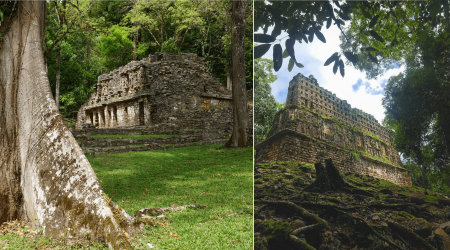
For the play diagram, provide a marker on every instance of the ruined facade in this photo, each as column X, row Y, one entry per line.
column 316, row 125
column 161, row 89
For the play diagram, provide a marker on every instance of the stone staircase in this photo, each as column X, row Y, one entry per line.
column 179, row 138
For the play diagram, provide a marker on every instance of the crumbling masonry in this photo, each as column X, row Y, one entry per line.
column 316, row 125
column 165, row 90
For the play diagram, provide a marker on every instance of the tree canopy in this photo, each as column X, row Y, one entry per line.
column 265, row 104
column 379, row 31
column 417, row 106
column 99, row 36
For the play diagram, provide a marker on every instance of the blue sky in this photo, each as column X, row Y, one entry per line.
column 354, row 87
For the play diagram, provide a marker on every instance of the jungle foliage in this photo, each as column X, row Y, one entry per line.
column 379, row 30
column 265, row 104
column 96, row 37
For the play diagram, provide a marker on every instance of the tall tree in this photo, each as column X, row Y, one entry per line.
column 417, row 104
column 240, row 136
column 45, row 178
column 265, row 104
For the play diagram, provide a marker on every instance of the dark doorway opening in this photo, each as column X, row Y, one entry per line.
column 141, row 114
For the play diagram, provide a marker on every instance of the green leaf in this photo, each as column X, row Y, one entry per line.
column 376, row 36
column 329, row 22
column 311, row 35
column 446, row 9
column 435, row 8
column 329, row 8
column 320, row 36
column 364, row 39
column 343, row 16
column 373, row 21
column 341, row 68
column 299, row 65
column 351, row 57
column 366, row 14
column 264, row 38
column 331, row 59
column 374, row 59
column 291, row 64
column 336, row 64
column 303, row 36
column 1, row 15
column 260, row 50
column 277, row 57
column 285, row 53
column 290, row 47
column 339, row 22
column 276, row 31
column 370, row 49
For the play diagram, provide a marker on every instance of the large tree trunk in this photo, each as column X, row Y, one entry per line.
column 44, row 177
column 58, row 74
column 239, row 137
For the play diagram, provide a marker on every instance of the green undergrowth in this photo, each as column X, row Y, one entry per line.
column 130, row 136
column 275, row 170
column 221, row 180
column 15, row 241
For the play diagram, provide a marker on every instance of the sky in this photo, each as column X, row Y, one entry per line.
column 353, row 87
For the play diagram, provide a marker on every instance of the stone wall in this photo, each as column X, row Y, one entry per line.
column 315, row 113
column 334, row 132
column 158, row 89
column 307, row 92
column 288, row 145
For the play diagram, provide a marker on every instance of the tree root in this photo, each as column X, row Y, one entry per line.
column 154, row 211
column 309, row 217
column 370, row 228
column 132, row 224
column 415, row 239
column 302, row 245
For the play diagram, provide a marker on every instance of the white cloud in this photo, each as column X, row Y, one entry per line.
column 313, row 55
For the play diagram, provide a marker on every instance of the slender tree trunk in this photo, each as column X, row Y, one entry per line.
column 229, row 84
column 240, row 136
column 58, row 74
column 45, row 178
column 135, row 41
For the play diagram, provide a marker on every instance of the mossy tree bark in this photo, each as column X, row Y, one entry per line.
column 44, row 177
column 328, row 178
column 240, row 136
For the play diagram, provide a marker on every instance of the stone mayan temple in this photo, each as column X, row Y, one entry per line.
column 165, row 90
column 317, row 125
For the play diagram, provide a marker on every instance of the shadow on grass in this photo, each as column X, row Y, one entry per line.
column 191, row 175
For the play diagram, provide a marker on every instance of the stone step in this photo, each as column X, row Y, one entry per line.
column 149, row 147
column 88, row 141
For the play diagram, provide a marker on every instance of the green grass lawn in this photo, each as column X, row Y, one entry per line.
column 221, row 180
column 130, row 136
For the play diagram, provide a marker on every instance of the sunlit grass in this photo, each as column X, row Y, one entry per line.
column 220, row 179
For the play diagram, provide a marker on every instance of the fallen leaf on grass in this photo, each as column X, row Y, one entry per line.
column 161, row 223
column 143, row 193
column 174, row 235
column 234, row 241
column 150, row 245
column 146, row 217
column 146, row 189
column 126, row 235
column 172, row 187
